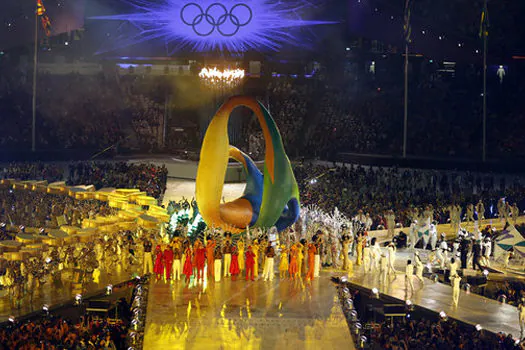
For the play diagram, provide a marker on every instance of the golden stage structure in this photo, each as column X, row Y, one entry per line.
column 35, row 255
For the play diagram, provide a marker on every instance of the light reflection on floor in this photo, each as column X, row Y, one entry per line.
column 53, row 293
column 245, row 315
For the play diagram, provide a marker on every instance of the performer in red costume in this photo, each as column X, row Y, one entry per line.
column 158, row 268
column 168, row 261
column 234, row 267
column 250, row 263
column 312, row 251
column 210, row 248
column 188, row 266
column 200, row 259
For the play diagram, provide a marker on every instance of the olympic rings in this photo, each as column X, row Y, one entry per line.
column 213, row 22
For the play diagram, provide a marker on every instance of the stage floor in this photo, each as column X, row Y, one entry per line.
column 246, row 315
column 471, row 308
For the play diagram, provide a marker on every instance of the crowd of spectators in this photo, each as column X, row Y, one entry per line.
column 59, row 333
column 375, row 190
column 32, row 171
column 36, row 209
column 81, row 112
column 149, row 178
column 425, row 334
column 361, row 112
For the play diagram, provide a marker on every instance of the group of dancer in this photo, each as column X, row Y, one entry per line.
column 216, row 257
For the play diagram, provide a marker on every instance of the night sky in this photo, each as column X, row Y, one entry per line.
column 17, row 19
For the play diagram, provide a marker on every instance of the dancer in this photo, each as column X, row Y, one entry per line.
column 514, row 212
column 464, row 248
column 419, row 267
column 302, row 253
column 375, row 254
column 234, row 267
column 293, row 267
column 476, row 255
column 455, row 248
column 391, row 258
column 442, row 252
column 217, row 264
column 345, row 242
column 383, row 267
column 250, row 263
column 501, row 209
column 227, row 253
column 319, row 245
column 268, row 272
column 521, row 315
column 185, row 245
column 240, row 253
column 409, row 274
column 177, row 255
column 159, row 263
column 453, row 267
column 390, row 223
column 455, row 280
column 148, row 260
column 412, row 235
column 359, row 250
column 311, row 261
column 283, row 262
column 255, row 250
column 487, row 251
column 168, row 262
column 367, row 265
column 200, row 259
column 470, row 213
column 480, row 209
column 187, row 270
column 433, row 237
column 210, row 250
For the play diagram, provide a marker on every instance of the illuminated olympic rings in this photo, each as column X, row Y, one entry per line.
column 202, row 19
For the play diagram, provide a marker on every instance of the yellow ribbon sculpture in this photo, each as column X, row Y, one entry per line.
column 269, row 200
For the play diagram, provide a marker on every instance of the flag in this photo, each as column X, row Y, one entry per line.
column 407, row 28
column 46, row 24
column 41, row 11
column 484, row 23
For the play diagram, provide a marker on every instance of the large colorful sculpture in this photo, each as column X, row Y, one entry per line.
column 270, row 199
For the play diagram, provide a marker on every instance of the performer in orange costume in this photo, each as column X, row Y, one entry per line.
column 210, row 248
column 312, row 250
column 200, row 259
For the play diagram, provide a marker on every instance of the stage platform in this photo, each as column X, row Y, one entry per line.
column 61, row 293
column 472, row 308
column 246, row 315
